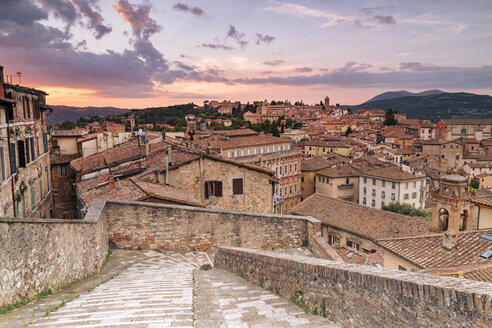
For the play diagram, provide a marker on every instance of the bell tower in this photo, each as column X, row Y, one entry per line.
column 327, row 102
column 451, row 208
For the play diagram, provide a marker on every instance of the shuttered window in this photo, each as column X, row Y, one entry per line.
column 213, row 189
column 237, row 186
column 13, row 164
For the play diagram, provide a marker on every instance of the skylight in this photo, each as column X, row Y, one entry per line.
column 487, row 254
column 486, row 236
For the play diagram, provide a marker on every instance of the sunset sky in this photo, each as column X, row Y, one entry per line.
column 143, row 53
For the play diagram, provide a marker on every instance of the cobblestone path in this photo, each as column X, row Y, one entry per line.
column 168, row 290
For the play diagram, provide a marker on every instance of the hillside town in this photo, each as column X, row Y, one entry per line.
column 389, row 192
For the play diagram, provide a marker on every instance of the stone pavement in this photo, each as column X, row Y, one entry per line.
column 167, row 289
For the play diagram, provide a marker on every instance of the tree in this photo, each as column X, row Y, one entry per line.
column 348, row 131
column 474, row 184
column 390, row 118
column 407, row 209
column 273, row 102
column 282, row 128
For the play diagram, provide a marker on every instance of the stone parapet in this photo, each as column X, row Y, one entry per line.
column 140, row 225
column 42, row 254
column 364, row 296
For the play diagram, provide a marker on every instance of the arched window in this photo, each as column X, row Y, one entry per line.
column 443, row 219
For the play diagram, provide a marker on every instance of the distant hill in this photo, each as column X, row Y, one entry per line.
column 403, row 93
column 69, row 113
column 436, row 106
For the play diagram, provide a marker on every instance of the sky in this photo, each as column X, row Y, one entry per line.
column 148, row 53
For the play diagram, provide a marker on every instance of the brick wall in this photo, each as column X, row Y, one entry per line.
column 363, row 296
column 38, row 254
column 139, row 225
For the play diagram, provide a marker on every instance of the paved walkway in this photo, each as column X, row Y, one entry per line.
column 167, row 289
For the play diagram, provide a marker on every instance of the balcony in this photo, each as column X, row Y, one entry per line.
column 346, row 185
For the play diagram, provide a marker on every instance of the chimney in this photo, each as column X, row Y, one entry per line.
column 111, row 182
column 449, row 240
column 1, row 74
column 169, row 155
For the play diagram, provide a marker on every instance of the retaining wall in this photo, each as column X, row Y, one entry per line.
column 364, row 296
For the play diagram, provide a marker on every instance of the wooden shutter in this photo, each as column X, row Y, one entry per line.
column 218, row 188
column 206, row 190
column 22, row 153
column 237, row 186
column 33, row 154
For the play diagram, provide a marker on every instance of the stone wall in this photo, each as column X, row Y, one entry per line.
column 40, row 254
column 364, row 296
column 139, row 225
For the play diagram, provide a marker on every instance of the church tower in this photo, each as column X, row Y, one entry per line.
column 451, row 208
column 327, row 102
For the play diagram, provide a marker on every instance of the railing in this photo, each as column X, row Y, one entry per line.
column 346, row 185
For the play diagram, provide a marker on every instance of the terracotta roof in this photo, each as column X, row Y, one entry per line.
column 87, row 137
column 390, row 173
column 68, row 133
column 335, row 172
column 351, row 255
column 320, row 143
column 486, row 201
column 466, row 141
column 237, row 132
column 468, row 121
column 361, row 220
column 220, row 142
column 427, row 251
column 315, row 164
column 62, row 159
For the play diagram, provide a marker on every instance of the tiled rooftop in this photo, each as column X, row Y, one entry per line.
column 361, row 220
column 427, row 251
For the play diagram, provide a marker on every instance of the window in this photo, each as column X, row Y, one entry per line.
column 383, row 183
column 28, row 150
column 40, row 188
column 463, row 132
column 22, row 153
column 290, row 168
column 213, row 189
column 365, row 190
column 48, row 178
column 458, row 156
column 365, row 179
column 302, row 179
column 405, row 197
column 393, row 185
column 373, row 203
column 45, row 141
column 295, row 167
column 280, row 169
column 393, row 196
column 374, row 192
column 333, row 240
column 13, row 164
column 290, row 189
column 402, row 268
column 62, row 170
column 295, row 187
column 33, row 154
column 285, row 191
column 373, row 181
column 285, row 169
column 319, row 178
column 347, row 181
column 415, row 184
column 237, row 186
column 414, row 195
column 383, row 194
column 364, row 201
column 353, row 244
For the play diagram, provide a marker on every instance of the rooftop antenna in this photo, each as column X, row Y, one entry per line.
column 19, row 74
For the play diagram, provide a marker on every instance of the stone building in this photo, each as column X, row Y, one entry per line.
column 450, row 129
column 348, row 224
column 165, row 171
column 339, row 182
column 321, row 148
column 266, row 151
column 26, row 189
column 381, row 186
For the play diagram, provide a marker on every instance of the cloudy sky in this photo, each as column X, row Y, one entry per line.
column 140, row 53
